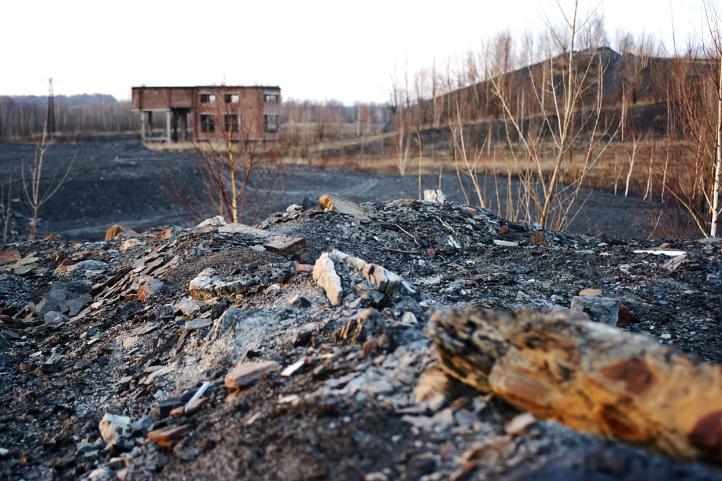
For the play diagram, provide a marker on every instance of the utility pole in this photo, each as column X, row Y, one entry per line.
column 50, row 112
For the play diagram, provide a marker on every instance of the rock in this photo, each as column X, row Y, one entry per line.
column 100, row 474
column 299, row 301
column 675, row 262
column 147, row 287
column 538, row 239
column 334, row 202
column 128, row 244
column 53, row 317
column 325, row 276
column 167, row 437
column 116, row 229
column 9, row 256
column 309, row 202
column 432, row 388
column 503, row 243
column 626, row 317
column 187, row 306
column 198, row 324
column 376, row 477
column 520, row 423
column 273, row 242
column 377, row 276
column 215, row 221
column 289, row 370
column 434, row 195
column 246, row 373
column 83, row 266
column 599, row 309
column 368, row 325
column 4, row 452
column 207, row 285
column 75, row 305
column 114, row 429
column 589, row 292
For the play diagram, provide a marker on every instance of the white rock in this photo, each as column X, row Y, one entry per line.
column 434, row 195
column 114, row 428
column 324, row 273
column 503, row 243
column 213, row 222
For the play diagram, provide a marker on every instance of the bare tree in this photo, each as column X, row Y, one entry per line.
column 37, row 188
column 697, row 112
column 238, row 172
column 568, row 99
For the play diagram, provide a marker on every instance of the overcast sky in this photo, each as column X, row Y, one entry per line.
column 335, row 49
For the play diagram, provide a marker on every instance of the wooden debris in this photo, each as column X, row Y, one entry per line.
column 589, row 376
column 333, row 202
column 273, row 242
column 167, row 437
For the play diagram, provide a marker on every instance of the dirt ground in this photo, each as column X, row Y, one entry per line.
column 119, row 181
column 96, row 328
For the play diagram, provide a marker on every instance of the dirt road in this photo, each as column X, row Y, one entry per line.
column 120, row 181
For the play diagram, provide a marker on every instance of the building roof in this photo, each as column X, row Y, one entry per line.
column 207, row 87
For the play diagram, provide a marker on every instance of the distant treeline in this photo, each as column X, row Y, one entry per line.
column 22, row 117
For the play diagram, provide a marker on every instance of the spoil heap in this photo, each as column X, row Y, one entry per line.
column 305, row 348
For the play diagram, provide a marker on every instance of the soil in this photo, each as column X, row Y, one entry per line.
column 95, row 328
column 118, row 181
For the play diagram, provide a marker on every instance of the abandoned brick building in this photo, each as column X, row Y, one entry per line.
column 209, row 112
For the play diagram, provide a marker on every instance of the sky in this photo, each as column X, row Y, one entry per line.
column 345, row 50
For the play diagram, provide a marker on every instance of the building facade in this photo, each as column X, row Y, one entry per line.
column 205, row 113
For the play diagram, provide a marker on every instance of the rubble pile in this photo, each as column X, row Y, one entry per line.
column 302, row 348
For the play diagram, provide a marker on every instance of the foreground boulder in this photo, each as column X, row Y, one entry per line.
column 589, row 376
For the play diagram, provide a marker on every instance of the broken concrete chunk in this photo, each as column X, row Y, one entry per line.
column 333, row 202
column 599, row 309
column 114, row 428
column 246, row 373
column 325, row 276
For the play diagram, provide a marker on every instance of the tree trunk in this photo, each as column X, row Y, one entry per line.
column 589, row 376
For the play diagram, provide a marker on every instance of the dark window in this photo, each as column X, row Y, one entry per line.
column 208, row 124
column 231, row 98
column 270, row 98
column 230, row 123
column 208, row 98
column 270, row 122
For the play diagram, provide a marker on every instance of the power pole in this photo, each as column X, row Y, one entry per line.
column 50, row 119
